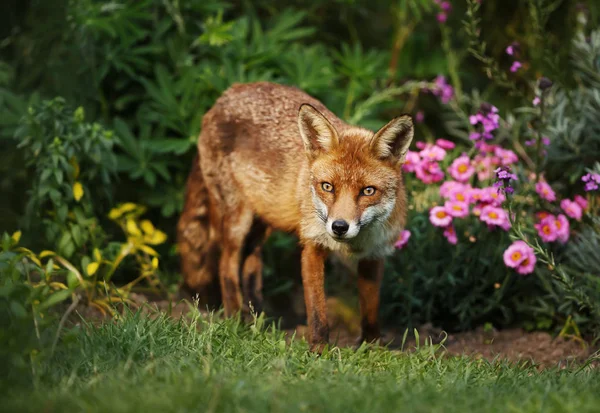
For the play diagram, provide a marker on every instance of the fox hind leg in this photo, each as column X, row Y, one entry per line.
column 236, row 226
column 370, row 274
column 253, row 267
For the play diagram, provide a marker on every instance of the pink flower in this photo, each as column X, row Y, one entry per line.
column 440, row 217
column 492, row 215
column 477, row 195
column 443, row 90
column 583, row 203
column 520, row 256
column 545, row 191
column 433, row 153
column 536, row 101
column 429, row 172
column 485, row 166
column 510, row 50
column 450, row 234
column 528, row 265
column 515, row 66
column 448, row 187
column 442, row 17
column 515, row 254
column 562, row 227
column 457, row 209
column 491, row 195
column 445, row 144
column 460, row 193
column 419, row 116
column 506, row 156
column 403, row 239
column 547, row 229
column 461, row 169
column 421, row 145
column 446, row 6
column 412, row 161
column 572, row 209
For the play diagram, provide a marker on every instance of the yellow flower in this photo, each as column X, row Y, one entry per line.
column 155, row 263
column 16, row 237
column 122, row 209
column 132, row 228
column 77, row 191
column 92, row 267
column 157, row 237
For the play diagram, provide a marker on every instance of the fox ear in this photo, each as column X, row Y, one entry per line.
column 392, row 140
column 317, row 132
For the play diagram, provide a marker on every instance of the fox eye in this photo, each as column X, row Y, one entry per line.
column 368, row 191
column 327, row 187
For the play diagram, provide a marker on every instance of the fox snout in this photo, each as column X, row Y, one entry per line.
column 341, row 229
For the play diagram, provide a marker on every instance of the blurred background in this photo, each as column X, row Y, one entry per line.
column 101, row 104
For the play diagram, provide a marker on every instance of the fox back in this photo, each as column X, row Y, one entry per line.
column 283, row 155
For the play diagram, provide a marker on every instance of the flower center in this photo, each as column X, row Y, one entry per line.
column 441, row 214
column 493, row 215
column 516, row 256
column 457, row 207
column 546, row 229
column 460, row 197
column 462, row 168
column 558, row 225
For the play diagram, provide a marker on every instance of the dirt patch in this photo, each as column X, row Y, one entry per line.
column 515, row 345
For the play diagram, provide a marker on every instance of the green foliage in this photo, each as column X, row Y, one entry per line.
column 224, row 366
column 27, row 291
column 69, row 158
column 572, row 125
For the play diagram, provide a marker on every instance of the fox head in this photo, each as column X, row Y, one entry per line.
column 355, row 174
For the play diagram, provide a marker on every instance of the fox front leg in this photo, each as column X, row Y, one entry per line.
column 313, row 280
column 370, row 274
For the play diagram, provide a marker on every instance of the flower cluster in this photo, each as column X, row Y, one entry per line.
column 591, row 181
column 442, row 89
column 513, row 50
column 504, row 176
column 445, row 8
column 552, row 228
column 468, row 189
column 489, row 158
column 521, row 257
column 485, row 121
column 461, row 200
column 425, row 163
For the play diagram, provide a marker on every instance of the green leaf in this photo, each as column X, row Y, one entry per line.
column 18, row 309
column 54, row 299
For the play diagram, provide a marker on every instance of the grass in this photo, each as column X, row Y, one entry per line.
column 138, row 363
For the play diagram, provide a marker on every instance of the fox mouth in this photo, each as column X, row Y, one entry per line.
column 340, row 238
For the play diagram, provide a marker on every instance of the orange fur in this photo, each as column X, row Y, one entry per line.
column 271, row 156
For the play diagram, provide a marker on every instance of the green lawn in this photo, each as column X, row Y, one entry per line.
column 140, row 364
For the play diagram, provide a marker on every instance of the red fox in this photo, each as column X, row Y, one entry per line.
column 273, row 157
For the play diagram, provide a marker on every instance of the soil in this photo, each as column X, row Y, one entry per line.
column 514, row 345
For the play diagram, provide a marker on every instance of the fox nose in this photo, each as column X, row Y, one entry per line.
column 339, row 227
